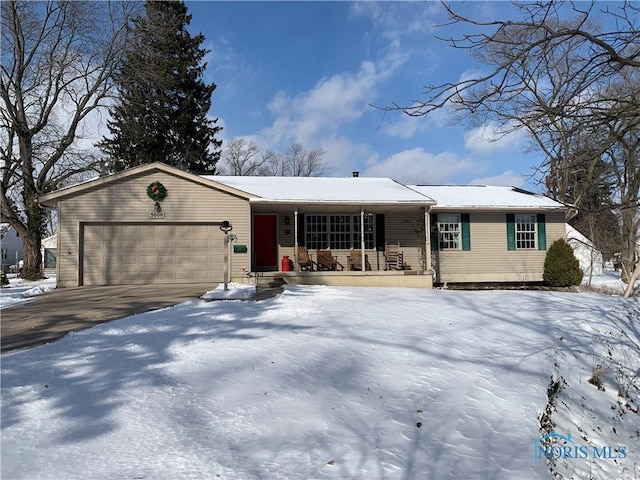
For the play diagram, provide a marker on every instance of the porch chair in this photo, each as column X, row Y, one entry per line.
column 304, row 260
column 327, row 261
column 393, row 257
column 354, row 260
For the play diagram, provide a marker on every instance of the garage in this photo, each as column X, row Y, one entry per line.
column 143, row 253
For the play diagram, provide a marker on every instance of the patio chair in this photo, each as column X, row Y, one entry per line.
column 393, row 257
column 327, row 261
column 354, row 260
column 304, row 260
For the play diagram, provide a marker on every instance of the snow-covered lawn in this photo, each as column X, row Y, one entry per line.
column 22, row 291
column 607, row 283
column 325, row 382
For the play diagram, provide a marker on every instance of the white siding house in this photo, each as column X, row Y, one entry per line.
column 10, row 246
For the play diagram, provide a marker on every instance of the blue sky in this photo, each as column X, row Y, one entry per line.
column 309, row 72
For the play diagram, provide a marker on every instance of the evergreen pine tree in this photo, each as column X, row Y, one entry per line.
column 561, row 267
column 161, row 111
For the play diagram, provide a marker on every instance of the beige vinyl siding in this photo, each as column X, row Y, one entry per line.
column 127, row 202
column 489, row 260
column 402, row 228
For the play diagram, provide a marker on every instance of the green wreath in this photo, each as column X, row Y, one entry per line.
column 156, row 191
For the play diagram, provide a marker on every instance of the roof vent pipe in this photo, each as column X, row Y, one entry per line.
column 356, row 174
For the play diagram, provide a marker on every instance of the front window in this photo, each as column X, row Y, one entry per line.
column 525, row 231
column 448, row 231
column 316, row 231
column 368, row 232
column 338, row 232
column 4, row 254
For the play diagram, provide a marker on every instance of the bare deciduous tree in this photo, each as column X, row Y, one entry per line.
column 58, row 58
column 243, row 157
column 563, row 77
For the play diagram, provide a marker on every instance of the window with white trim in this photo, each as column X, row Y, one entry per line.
column 448, row 231
column 525, row 231
column 4, row 253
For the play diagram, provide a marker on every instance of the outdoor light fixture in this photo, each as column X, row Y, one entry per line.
column 225, row 226
column 287, row 220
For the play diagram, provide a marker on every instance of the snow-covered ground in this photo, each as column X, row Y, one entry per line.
column 326, row 382
column 608, row 283
column 22, row 291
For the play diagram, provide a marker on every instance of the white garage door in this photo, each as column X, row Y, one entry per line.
column 121, row 254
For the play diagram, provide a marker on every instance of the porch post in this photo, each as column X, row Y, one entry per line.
column 427, row 240
column 362, row 243
column 295, row 238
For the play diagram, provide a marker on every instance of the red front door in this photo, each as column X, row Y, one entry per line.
column 265, row 242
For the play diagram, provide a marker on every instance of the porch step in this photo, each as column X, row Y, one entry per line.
column 277, row 282
column 271, row 281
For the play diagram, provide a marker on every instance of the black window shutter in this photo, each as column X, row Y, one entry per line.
column 542, row 232
column 434, row 231
column 380, row 238
column 466, row 232
column 301, row 241
column 511, row 231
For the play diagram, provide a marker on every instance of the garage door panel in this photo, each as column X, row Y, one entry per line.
column 128, row 277
column 184, row 243
column 145, row 254
column 147, row 259
column 128, row 259
column 92, row 244
column 92, row 260
column 147, row 243
column 184, row 275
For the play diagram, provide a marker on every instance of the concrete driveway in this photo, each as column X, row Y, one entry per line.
column 52, row 315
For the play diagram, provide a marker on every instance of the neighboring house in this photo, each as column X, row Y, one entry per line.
column 10, row 247
column 111, row 232
column 49, row 251
column 590, row 258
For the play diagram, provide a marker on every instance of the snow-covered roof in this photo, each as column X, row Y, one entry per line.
column 480, row 196
column 323, row 189
column 4, row 228
column 50, row 242
column 588, row 256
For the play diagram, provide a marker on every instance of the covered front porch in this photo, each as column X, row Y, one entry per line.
column 282, row 233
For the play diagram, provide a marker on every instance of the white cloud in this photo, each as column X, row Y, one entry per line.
column 488, row 139
column 316, row 118
column 226, row 68
column 341, row 155
column 506, row 179
column 319, row 112
column 396, row 20
column 417, row 166
column 405, row 127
